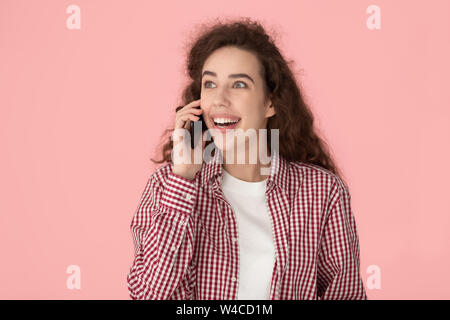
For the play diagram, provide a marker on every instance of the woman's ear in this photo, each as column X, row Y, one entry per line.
column 270, row 110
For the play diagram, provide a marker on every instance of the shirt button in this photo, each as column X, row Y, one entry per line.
column 173, row 248
column 188, row 197
column 234, row 239
column 233, row 279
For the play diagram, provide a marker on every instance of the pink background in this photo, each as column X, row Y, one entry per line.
column 82, row 111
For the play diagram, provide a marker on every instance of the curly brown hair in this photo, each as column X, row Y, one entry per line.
column 298, row 140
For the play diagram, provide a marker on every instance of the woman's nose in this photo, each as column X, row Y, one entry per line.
column 221, row 97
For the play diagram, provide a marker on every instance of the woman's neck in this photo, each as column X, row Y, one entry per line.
column 250, row 172
column 246, row 172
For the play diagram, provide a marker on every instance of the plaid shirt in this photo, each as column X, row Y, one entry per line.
column 187, row 243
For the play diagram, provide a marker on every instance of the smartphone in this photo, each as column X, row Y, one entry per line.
column 193, row 124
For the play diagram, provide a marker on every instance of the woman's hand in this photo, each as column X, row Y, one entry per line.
column 183, row 120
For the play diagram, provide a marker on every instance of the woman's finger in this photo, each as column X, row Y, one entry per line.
column 190, row 105
column 182, row 120
column 189, row 111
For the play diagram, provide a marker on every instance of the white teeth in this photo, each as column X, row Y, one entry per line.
column 224, row 120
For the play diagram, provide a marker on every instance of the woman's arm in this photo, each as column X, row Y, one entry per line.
column 163, row 233
column 338, row 274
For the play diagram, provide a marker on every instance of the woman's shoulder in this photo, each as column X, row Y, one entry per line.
column 312, row 174
column 161, row 173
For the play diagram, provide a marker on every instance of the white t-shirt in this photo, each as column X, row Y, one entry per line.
column 256, row 246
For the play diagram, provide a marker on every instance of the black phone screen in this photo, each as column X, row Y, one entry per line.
column 201, row 122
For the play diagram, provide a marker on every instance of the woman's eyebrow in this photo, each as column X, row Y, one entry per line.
column 234, row 75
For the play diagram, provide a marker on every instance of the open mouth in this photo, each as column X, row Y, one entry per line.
column 226, row 123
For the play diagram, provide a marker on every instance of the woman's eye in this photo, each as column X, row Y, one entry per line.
column 206, row 83
column 241, row 82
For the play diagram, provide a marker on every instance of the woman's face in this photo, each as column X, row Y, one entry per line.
column 232, row 88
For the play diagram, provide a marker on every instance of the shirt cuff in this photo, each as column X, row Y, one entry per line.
column 179, row 194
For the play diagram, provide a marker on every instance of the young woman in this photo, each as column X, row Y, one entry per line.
column 227, row 230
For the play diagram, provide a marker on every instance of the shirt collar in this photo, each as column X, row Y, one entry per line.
column 279, row 170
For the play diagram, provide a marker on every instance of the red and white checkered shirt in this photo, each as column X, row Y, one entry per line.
column 183, row 233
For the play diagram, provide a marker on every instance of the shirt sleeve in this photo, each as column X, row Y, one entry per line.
column 338, row 273
column 163, row 234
